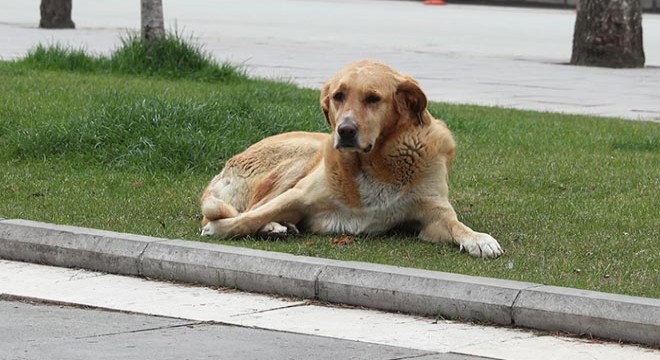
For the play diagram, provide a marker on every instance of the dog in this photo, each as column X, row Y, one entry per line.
column 386, row 163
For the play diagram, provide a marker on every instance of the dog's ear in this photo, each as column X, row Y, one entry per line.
column 325, row 101
column 411, row 99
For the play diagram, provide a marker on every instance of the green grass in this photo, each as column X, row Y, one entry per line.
column 572, row 199
column 173, row 56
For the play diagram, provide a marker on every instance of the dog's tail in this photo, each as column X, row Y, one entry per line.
column 214, row 208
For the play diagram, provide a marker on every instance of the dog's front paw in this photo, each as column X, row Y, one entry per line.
column 274, row 230
column 482, row 245
column 291, row 229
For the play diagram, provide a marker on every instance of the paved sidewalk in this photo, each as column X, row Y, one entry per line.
column 297, row 328
column 501, row 56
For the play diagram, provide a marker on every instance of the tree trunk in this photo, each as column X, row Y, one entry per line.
column 152, row 20
column 608, row 33
column 56, row 14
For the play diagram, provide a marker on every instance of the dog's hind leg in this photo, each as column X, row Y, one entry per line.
column 288, row 207
column 226, row 197
column 214, row 208
column 221, row 200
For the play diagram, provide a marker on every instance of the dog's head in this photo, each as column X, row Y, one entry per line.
column 367, row 99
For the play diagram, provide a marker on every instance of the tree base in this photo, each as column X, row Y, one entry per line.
column 56, row 14
column 608, row 33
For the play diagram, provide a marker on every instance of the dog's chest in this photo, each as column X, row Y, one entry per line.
column 383, row 207
column 376, row 195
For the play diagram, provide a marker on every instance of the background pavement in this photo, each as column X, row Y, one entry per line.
column 501, row 56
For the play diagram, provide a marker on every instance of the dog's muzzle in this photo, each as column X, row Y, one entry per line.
column 348, row 136
column 347, row 133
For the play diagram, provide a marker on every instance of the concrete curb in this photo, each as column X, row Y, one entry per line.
column 69, row 246
column 611, row 316
column 233, row 267
column 415, row 291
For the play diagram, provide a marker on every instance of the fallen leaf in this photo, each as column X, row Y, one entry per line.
column 137, row 184
column 343, row 240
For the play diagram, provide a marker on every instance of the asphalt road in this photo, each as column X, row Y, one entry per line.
column 37, row 331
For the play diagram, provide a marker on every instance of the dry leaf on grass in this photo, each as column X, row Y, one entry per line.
column 343, row 240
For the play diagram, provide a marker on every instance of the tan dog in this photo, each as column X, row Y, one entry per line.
column 386, row 163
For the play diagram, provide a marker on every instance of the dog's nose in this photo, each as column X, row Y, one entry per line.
column 347, row 130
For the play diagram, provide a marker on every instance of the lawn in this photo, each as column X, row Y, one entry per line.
column 574, row 200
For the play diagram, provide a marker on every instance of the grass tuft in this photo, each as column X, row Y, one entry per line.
column 58, row 57
column 172, row 56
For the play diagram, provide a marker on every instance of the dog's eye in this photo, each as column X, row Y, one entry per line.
column 338, row 96
column 372, row 99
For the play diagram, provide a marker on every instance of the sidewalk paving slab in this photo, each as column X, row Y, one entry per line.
column 611, row 316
